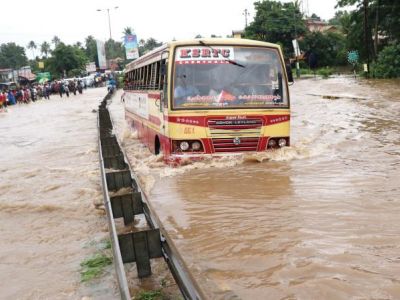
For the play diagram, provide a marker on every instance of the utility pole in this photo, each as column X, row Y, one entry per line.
column 109, row 22
column 376, row 30
column 108, row 14
column 246, row 13
column 366, row 39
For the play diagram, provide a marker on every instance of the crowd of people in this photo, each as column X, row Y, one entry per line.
column 33, row 92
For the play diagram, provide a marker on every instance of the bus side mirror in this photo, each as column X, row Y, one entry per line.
column 289, row 73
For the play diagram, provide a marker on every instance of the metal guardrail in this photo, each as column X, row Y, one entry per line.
column 119, row 267
column 138, row 246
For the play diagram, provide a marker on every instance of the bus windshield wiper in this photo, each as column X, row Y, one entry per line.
column 228, row 60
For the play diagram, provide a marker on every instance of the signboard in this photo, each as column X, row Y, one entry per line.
column 203, row 55
column 101, row 54
column 43, row 77
column 41, row 65
column 296, row 47
column 352, row 57
column 131, row 46
column 91, row 67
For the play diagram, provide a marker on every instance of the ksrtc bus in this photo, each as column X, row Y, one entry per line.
column 209, row 97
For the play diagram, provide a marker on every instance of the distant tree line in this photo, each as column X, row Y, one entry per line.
column 60, row 58
column 372, row 28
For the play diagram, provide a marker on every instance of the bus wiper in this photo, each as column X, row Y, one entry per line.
column 228, row 60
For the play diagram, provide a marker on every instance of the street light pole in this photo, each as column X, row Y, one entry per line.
column 109, row 20
column 246, row 13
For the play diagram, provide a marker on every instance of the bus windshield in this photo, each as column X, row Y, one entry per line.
column 228, row 77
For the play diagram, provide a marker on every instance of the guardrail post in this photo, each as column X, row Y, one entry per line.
column 127, row 206
column 139, row 247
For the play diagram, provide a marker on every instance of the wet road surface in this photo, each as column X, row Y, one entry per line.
column 318, row 220
column 49, row 191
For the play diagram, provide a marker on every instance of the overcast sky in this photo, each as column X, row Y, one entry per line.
column 72, row 20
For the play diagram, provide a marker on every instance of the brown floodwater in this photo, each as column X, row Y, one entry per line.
column 50, row 195
column 317, row 220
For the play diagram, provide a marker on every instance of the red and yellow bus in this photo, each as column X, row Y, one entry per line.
column 209, row 97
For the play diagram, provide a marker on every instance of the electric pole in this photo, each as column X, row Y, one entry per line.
column 366, row 35
column 246, row 13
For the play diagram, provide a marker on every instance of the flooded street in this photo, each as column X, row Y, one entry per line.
column 49, row 194
column 318, row 220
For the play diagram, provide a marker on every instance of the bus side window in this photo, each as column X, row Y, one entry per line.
column 163, row 85
column 157, row 75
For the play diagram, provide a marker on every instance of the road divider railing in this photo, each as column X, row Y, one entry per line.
column 123, row 198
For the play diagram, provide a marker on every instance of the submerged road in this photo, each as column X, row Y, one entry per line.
column 49, row 194
column 318, row 220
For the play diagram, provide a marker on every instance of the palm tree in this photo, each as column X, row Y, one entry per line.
column 78, row 45
column 32, row 46
column 89, row 39
column 45, row 48
column 127, row 30
column 56, row 40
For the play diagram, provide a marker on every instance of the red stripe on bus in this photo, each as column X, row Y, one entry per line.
column 206, row 121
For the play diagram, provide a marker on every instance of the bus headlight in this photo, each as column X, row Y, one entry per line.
column 184, row 146
column 271, row 143
column 282, row 143
column 196, row 146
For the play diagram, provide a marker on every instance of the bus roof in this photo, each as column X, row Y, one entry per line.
column 156, row 53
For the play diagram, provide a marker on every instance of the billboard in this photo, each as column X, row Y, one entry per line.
column 43, row 77
column 91, row 67
column 131, row 46
column 101, row 54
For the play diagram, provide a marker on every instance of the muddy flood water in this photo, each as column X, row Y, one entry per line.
column 318, row 220
column 50, row 200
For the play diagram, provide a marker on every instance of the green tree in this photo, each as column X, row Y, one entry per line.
column 66, row 59
column 276, row 22
column 315, row 17
column 12, row 56
column 45, row 48
column 388, row 63
column 91, row 49
column 148, row 45
column 382, row 28
column 336, row 20
column 114, row 49
column 32, row 46
column 330, row 48
column 79, row 45
column 56, row 41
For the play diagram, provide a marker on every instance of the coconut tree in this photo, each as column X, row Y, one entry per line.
column 45, row 48
column 32, row 46
column 56, row 40
column 127, row 30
